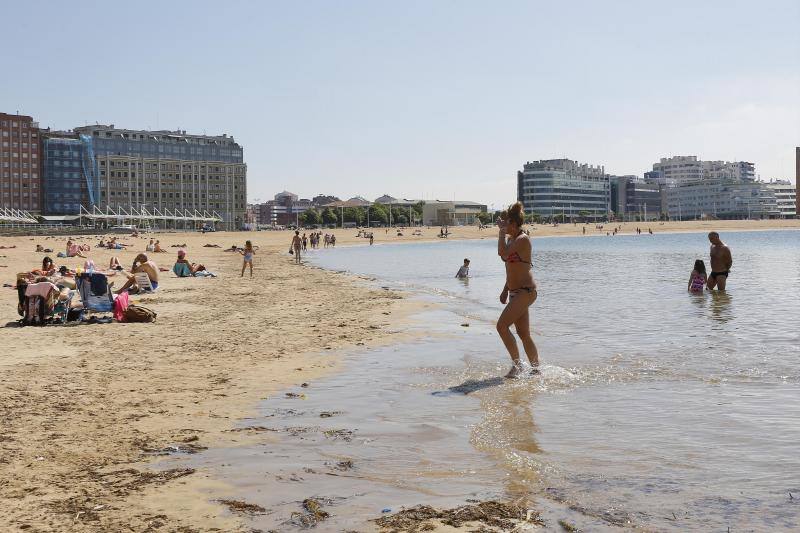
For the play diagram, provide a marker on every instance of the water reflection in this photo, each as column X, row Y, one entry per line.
column 508, row 430
column 721, row 306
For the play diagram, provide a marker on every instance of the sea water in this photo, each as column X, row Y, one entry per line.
column 655, row 407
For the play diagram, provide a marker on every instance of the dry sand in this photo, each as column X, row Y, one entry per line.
column 87, row 409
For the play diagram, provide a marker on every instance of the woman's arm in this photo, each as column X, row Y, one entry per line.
column 691, row 277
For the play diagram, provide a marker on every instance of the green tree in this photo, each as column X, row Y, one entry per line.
column 485, row 218
column 418, row 207
column 535, row 217
column 330, row 216
column 399, row 215
column 312, row 216
column 355, row 214
column 378, row 213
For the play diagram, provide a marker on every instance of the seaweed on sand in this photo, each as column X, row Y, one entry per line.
column 313, row 514
column 490, row 513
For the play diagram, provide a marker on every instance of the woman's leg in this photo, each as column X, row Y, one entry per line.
column 513, row 311
column 251, row 269
column 128, row 284
column 244, row 265
column 523, row 327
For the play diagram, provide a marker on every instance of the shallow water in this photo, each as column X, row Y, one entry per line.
column 655, row 408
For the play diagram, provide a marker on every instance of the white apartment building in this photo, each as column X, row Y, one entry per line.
column 685, row 169
column 786, row 196
column 720, row 198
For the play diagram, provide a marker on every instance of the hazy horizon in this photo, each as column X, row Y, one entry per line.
column 421, row 100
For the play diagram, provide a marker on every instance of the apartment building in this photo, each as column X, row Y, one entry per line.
column 684, row 169
column 556, row 187
column 170, row 170
column 786, row 197
column 20, row 183
column 721, row 198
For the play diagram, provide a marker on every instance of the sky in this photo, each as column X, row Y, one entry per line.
column 420, row 99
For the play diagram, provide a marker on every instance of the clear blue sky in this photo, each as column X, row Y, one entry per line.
column 430, row 99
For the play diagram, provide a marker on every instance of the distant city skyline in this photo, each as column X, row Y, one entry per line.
column 422, row 99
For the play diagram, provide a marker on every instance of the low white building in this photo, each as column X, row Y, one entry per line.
column 456, row 213
column 786, row 196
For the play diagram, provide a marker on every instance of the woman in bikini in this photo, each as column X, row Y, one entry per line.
column 514, row 248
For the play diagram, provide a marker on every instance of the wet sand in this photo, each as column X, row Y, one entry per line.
column 89, row 411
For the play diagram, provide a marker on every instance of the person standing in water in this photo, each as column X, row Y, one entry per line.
column 721, row 262
column 463, row 272
column 520, row 291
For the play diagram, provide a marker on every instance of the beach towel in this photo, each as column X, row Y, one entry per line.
column 120, row 306
column 41, row 289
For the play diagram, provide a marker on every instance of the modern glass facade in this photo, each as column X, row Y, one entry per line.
column 69, row 177
column 563, row 187
column 170, row 171
column 177, row 145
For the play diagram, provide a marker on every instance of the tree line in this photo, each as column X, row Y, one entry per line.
column 378, row 214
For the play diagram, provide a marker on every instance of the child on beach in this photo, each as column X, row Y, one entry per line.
column 463, row 272
column 248, row 253
column 698, row 277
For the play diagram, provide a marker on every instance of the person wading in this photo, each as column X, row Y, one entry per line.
column 721, row 262
column 514, row 248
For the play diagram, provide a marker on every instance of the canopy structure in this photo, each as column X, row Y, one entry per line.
column 147, row 217
column 16, row 216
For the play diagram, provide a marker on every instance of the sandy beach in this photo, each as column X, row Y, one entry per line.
column 89, row 410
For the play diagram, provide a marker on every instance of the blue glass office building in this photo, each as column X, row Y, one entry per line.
column 69, row 175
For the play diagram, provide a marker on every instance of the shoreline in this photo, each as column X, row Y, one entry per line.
column 90, row 410
column 87, row 411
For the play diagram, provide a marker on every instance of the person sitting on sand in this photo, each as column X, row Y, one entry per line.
column 39, row 248
column 151, row 247
column 73, row 250
column 520, row 290
column 463, row 272
column 141, row 264
column 158, row 249
column 184, row 268
column 48, row 269
column 114, row 264
column 698, row 278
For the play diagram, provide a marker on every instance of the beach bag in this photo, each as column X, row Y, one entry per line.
column 120, row 306
column 35, row 311
column 138, row 313
column 291, row 252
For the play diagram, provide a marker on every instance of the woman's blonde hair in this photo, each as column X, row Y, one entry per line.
column 515, row 213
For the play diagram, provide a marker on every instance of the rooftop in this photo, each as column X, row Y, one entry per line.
column 110, row 131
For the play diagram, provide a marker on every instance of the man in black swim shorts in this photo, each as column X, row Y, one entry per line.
column 721, row 262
